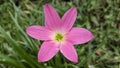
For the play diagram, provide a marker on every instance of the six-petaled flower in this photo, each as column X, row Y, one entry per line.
column 58, row 35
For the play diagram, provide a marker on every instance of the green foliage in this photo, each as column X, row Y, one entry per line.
column 101, row 17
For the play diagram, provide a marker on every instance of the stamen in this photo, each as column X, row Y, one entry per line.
column 59, row 37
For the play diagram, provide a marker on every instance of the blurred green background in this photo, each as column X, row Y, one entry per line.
column 101, row 17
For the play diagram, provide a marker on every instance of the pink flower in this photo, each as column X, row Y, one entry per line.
column 58, row 35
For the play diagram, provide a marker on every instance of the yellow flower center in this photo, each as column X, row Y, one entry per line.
column 59, row 37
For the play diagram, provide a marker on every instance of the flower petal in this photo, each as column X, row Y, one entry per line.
column 69, row 18
column 52, row 19
column 69, row 51
column 47, row 51
column 79, row 35
column 38, row 32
